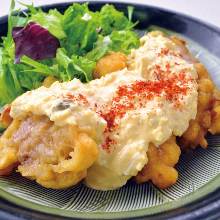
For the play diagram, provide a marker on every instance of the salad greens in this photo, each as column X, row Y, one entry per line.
column 83, row 38
column 34, row 41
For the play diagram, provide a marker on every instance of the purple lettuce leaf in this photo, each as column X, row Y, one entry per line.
column 35, row 42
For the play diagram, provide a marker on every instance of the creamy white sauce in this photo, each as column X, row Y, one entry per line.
column 154, row 122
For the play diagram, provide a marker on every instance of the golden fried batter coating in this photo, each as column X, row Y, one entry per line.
column 215, row 114
column 56, row 157
column 8, row 151
column 208, row 110
column 112, row 62
column 208, row 113
column 161, row 161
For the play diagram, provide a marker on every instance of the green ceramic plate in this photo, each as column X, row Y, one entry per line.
column 199, row 173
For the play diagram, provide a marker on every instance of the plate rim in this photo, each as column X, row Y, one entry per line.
column 197, row 20
column 211, row 187
column 210, row 26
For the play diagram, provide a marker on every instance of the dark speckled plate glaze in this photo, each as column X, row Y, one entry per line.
column 197, row 192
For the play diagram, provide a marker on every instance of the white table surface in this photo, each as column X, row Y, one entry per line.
column 207, row 10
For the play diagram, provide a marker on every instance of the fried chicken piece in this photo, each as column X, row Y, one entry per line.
column 160, row 167
column 183, row 50
column 161, row 173
column 111, row 62
column 215, row 113
column 8, row 152
column 56, row 157
column 208, row 113
column 208, row 110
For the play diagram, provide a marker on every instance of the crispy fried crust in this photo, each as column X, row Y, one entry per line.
column 208, row 110
column 215, row 113
column 56, row 157
column 8, row 151
column 198, row 128
column 111, row 62
column 160, row 167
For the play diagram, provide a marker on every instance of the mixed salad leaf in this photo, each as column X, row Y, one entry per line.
column 65, row 46
column 34, row 41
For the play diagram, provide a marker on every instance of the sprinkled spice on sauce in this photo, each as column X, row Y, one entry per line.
column 167, row 51
column 133, row 96
column 136, row 95
column 78, row 98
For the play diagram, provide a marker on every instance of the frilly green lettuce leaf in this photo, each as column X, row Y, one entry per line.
column 52, row 21
column 80, row 26
column 74, row 67
column 112, row 19
column 122, row 41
